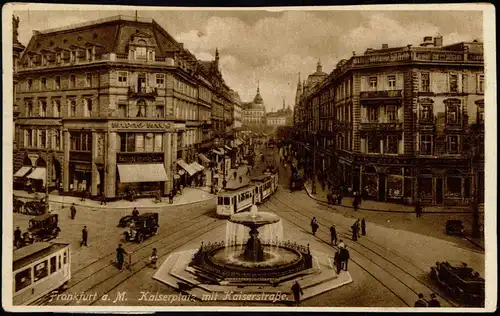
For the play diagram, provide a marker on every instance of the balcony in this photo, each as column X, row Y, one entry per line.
column 385, row 94
column 395, row 126
column 143, row 92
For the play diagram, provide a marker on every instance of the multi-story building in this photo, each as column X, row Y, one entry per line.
column 254, row 113
column 111, row 105
column 400, row 124
column 282, row 117
column 17, row 48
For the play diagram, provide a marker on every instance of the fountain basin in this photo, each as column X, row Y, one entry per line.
column 254, row 219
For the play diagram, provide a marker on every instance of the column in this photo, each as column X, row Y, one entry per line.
column 65, row 167
column 167, row 161
column 95, row 172
column 110, row 169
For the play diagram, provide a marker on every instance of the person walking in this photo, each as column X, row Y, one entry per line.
column 363, row 227
column 339, row 198
column 17, row 237
column 73, row 211
column 120, row 256
column 85, row 235
column 333, row 235
column 354, row 232
column 135, row 212
column 358, row 227
column 314, row 225
column 103, row 199
column 420, row 302
column 344, row 257
column 337, row 262
column 297, row 292
column 153, row 259
column 341, row 244
column 434, row 302
column 355, row 203
column 418, row 209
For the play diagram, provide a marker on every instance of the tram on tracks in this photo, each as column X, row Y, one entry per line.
column 241, row 197
column 39, row 269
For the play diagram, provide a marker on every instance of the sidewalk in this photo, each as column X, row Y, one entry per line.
column 189, row 196
column 375, row 206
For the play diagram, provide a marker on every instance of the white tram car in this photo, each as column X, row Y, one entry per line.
column 39, row 269
column 239, row 199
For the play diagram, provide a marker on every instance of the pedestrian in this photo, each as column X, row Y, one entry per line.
column 314, row 225
column 420, row 302
column 418, row 209
column 85, row 235
column 341, row 244
column 153, row 259
column 17, row 237
column 297, row 291
column 363, row 227
column 355, row 203
column 337, row 262
column 135, row 212
column 354, row 232
column 358, row 227
column 120, row 252
column 339, row 198
column 344, row 257
column 73, row 211
column 103, row 199
column 333, row 235
column 434, row 302
column 171, row 196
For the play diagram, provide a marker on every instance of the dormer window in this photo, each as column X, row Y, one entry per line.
column 141, row 49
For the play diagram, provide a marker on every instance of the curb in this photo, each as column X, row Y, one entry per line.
column 386, row 211
column 474, row 243
column 123, row 207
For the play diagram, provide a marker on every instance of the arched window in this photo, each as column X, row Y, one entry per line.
column 141, row 49
column 141, row 108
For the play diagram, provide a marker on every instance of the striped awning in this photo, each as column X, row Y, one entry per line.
column 186, row 167
column 22, row 172
column 38, row 174
column 142, row 173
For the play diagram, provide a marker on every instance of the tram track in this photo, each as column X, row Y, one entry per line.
column 380, row 262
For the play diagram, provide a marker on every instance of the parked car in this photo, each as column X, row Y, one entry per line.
column 44, row 227
column 454, row 227
column 142, row 227
column 461, row 281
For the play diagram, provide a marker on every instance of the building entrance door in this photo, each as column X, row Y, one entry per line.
column 439, row 191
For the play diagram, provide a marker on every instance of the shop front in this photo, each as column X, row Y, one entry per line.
column 370, row 182
column 38, row 176
column 145, row 179
column 395, row 185
column 20, row 176
column 426, row 186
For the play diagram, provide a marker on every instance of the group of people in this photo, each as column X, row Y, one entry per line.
column 433, row 302
column 356, row 228
column 21, row 239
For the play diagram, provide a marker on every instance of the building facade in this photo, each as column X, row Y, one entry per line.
column 400, row 124
column 282, row 117
column 112, row 106
column 254, row 113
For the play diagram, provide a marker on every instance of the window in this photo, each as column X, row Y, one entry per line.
column 58, row 58
column 392, row 82
column 89, row 53
column 122, row 110
column 30, row 84
column 374, row 145
column 392, row 144
column 453, row 144
column 44, row 83
column 130, row 142
column 141, row 50
column 43, row 108
column 57, row 142
column 373, row 114
column 160, row 80
column 391, row 113
column 65, row 257
column 72, row 81
column 81, row 141
column 23, row 279
column 425, row 82
column 88, row 80
column 373, row 83
column 58, row 82
column 158, row 142
column 87, row 110
column 41, row 271
column 28, row 140
column 122, row 78
column 453, row 83
column 426, row 112
column 44, row 60
column 426, row 144
column 454, row 186
column 72, row 108
column 56, row 107
column 480, row 84
column 141, row 108
column 72, row 56
column 452, row 116
column 53, row 264
column 159, row 111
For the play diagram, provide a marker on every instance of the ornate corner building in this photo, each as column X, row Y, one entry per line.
column 113, row 105
column 399, row 124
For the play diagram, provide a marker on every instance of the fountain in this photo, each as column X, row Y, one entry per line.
column 250, row 260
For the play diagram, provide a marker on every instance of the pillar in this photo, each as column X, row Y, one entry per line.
column 95, row 172
column 110, row 170
column 167, row 161
column 65, row 167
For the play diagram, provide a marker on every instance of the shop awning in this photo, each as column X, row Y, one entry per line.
column 38, row 174
column 204, row 158
column 186, row 167
column 22, row 172
column 142, row 173
column 196, row 166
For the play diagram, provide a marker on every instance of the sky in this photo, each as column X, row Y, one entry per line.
column 273, row 47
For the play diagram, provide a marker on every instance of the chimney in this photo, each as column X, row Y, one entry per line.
column 385, row 46
column 438, row 41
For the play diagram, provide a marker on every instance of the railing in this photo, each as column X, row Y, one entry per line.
column 122, row 56
column 371, row 126
column 143, row 91
column 381, row 94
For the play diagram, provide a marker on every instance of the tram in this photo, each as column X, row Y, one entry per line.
column 39, row 269
column 240, row 198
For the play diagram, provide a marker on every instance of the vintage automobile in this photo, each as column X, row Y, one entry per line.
column 18, row 205
column 44, row 227
column 142, row 227
column 454, row 227
column 461, row 281
column 34, row 207
column 125, row 220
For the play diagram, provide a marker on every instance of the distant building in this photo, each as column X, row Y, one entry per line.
column 253, row 113
column 399, row 123
column 282, row 117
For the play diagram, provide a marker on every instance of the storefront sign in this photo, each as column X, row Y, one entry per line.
column 139, row 158
column 152, row 125
column 80, row 156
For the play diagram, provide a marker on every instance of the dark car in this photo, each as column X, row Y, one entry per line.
column 125, row 220
column 44, row 227
column 454, row 227
column 142, row 227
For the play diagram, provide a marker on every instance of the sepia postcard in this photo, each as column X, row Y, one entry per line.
column 233, row 159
